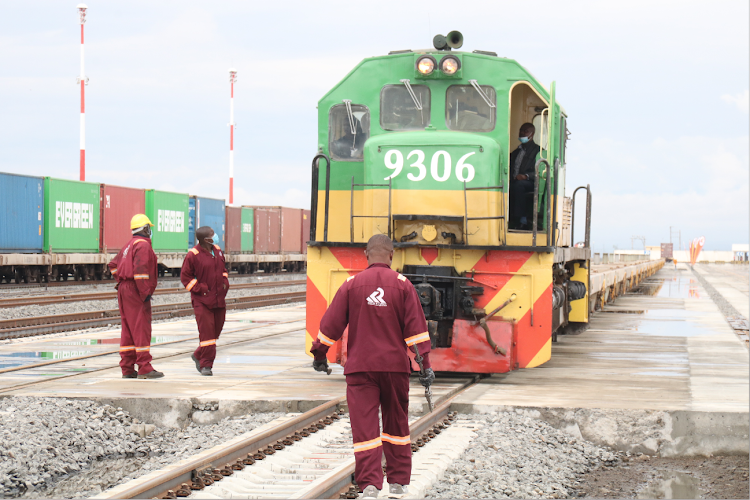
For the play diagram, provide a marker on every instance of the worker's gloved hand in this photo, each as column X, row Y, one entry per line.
column 320, row 366
column 147, row 299
column 427, row 378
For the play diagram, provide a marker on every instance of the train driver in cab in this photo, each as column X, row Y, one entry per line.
column 350, row 140
column 522, row 173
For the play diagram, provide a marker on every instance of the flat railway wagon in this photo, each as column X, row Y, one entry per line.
column 416, row 144
column 55, row 229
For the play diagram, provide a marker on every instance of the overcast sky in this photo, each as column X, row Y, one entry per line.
column 656, row 93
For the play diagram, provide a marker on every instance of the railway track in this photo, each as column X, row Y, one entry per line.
column 307, row 456
column 24, row 327
column 108, row 295
column 45, row 284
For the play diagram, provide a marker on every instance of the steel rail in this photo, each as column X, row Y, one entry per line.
column 24, row 327
column 158, row 485
column 109, row 295
column 331, row 485
column 10, row 286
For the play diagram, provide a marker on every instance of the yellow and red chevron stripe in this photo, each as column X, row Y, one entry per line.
column 525, row 325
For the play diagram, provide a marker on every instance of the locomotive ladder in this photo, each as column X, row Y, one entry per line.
column 351, row 209
column 466, row 211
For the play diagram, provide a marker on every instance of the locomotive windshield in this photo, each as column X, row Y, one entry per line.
column 466, row 109
column 398, row 110
column 348, row 131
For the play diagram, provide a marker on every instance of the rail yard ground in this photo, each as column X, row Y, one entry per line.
column 650, row 401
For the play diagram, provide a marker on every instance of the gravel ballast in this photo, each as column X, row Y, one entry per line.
column 516, row 456
column 48, row 443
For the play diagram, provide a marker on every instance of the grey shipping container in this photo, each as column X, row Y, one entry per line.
column 21, row 213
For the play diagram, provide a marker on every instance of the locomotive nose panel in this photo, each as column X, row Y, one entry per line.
column 427, row 172
column 432, row 160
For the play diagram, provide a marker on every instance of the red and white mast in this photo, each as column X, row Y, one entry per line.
column 232, row 79
column 83, row 81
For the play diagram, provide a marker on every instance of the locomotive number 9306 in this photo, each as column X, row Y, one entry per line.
column 440, row 165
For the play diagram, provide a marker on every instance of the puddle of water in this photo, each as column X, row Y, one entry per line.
column 665, row 372
column 673, row 484
column 673, row 328
column 256, row 360
column 623, row 311
column 89, row 341
column 13, row 359
column 680, row 288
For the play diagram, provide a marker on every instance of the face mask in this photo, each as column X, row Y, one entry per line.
column 523, row 140
column 210, row 240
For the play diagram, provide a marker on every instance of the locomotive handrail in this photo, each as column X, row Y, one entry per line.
column 587, row 233
column 466, row 209
column 535, row 213
column 314, row 196
column 351, row 209
column 555, row 231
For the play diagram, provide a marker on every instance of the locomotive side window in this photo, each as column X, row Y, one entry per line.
column 466, row 109
column 399, row 109
column 348, row 129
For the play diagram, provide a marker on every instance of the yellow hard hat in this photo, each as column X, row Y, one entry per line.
column 139, row 220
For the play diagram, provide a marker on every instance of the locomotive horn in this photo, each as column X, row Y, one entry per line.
column 455, row 39
column 440, row 43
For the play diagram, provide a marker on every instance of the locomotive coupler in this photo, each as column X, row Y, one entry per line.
column 483, row 324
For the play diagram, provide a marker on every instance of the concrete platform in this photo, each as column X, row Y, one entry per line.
column 731, row 281
column 270, row 374
column 665, row 355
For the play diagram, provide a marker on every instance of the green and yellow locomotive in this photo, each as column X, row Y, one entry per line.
column 416, row 145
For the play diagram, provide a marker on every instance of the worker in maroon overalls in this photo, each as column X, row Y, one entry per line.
column 384, row 315
column 135, row 269
column 205, row 276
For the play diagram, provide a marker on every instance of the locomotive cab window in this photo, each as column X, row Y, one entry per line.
column 404, row 110
column 348, row 129
column 468, row 110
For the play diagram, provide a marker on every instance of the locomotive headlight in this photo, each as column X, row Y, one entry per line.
column 426, row 65
column 449, row 65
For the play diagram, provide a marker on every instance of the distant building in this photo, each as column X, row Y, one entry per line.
column 740, row 251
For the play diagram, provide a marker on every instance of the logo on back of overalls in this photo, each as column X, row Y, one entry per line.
column 376, row 298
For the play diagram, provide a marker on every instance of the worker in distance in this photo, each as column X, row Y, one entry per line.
column 384, row 315
column 135, row 270
column 205, row 276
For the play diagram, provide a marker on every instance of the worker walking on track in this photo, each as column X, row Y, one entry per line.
column 135, row 269
column 205, row 277
column 384, row 315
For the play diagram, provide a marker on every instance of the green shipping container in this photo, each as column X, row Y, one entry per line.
column 246, row 229
column 169, row 215
column 71, row 216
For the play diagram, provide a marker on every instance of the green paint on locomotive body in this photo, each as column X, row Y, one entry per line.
column 363, row 86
